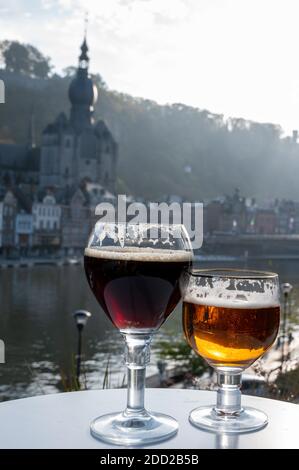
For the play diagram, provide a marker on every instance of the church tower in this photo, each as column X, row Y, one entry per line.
column 77, row 149
column 83, row 94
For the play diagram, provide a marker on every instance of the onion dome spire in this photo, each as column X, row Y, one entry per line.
column 82, row 91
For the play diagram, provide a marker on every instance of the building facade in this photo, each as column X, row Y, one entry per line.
column 8, row 212
column 46, row 224
column 76, row 148
column 76, row 226
column 24, row 232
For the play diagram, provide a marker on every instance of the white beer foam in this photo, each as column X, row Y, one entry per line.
column 220, row 296
column 139, row 254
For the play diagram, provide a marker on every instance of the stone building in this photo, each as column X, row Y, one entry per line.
column 8, row 210
column 76, row 148
column 46, row 224
column 24, row 232
column 76, row 222
column 19, row 164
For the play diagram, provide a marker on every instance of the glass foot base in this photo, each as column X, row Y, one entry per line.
column 125, row 430
column 248, row 420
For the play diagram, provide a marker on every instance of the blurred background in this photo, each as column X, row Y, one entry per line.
column 179, row 100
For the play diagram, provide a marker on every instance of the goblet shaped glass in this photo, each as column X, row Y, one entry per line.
column 134, row 272
column 230, row 318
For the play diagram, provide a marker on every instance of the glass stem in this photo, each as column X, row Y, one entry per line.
column 137, row 356
column 228, row 393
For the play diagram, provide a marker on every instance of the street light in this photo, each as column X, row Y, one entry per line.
column 235, row 226
column 81, row 317
column 286, row 289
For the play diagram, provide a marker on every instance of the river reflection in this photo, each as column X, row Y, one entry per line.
column 40, row 336
column 38, row 329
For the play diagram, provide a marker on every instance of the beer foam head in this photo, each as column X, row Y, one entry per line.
column 139, row 254
column 232, row 292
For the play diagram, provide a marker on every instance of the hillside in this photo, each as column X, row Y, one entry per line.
column 157, row 142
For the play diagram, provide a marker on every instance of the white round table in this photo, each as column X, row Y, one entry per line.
column 62, row 420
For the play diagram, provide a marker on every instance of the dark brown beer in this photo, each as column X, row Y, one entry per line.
column 230, row 336
column 137, row 288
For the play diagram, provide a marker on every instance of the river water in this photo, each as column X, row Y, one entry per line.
column 40, row 336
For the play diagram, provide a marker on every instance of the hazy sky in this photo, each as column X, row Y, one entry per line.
column 236, row 57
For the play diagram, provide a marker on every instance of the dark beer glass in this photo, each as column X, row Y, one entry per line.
column 134, row 273
column 230, row 318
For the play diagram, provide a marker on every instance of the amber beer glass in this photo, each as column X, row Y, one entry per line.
column 230, row 318
column 134, row 272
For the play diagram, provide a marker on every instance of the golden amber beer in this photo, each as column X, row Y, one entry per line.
column 229, row 335
column 230, row 318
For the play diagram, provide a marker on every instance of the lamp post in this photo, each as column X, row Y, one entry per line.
column 286, row 289
column 81, row 317
column 235, row 228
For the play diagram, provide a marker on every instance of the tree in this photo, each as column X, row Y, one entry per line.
column 98, row 79
column 69, row 71
column 24, row 59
